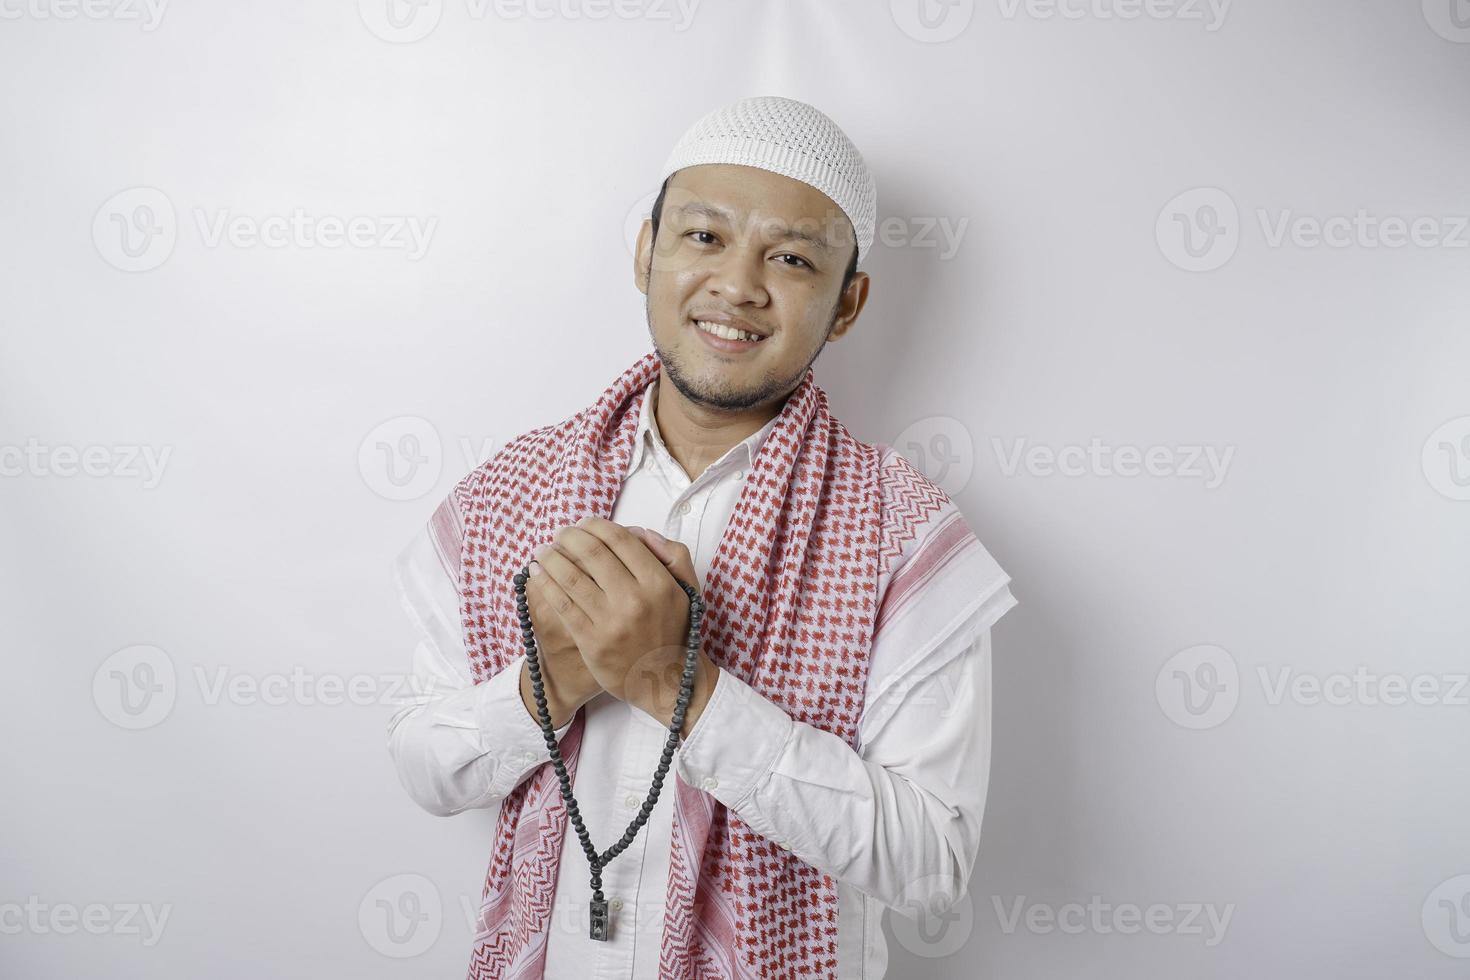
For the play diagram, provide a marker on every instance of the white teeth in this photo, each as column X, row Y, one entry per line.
column 729, row 333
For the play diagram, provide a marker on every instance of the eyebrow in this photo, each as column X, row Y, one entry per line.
column 786, row 232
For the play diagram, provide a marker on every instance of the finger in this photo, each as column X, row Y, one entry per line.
column 628, row 548
column 536, row 596
column 674, row 556
column 654, row 542
column 594, row 559
column 645, row 537
column 568, row 589
column 553, row 600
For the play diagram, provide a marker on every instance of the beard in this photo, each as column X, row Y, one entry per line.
column 723, row 394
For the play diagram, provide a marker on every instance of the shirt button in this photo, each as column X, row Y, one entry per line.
column 683, row 508
column 616, row 904
column 739, row 474
column 632, row 802
column 710, row 782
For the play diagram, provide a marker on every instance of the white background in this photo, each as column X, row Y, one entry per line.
column 1145, row 752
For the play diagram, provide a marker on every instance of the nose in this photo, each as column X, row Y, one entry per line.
column 737, row 277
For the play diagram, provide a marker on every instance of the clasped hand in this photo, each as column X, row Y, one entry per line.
column 610, row 616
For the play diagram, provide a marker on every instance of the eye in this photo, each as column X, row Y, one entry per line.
column 788, row 255
column 700, row 231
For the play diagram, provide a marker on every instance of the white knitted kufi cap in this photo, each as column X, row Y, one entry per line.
column 790, row 138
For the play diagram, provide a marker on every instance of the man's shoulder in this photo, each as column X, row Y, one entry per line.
column 900, row 478
column 915, row 508
column 905, row 491
column 528, row 452
column 539, row 439
column 934, row 569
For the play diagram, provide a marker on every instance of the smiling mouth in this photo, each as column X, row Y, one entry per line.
column 727, row 332
column 725, row 339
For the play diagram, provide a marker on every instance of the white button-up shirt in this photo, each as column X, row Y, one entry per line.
column 888, row 821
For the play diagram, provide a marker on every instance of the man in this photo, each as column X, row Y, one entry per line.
column 833, row 754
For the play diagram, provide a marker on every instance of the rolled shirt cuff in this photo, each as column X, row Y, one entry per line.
column 736, row 742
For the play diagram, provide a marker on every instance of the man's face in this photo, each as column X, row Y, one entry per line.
column 763, row 249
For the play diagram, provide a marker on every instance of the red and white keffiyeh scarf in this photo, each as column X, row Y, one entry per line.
column 791, row 597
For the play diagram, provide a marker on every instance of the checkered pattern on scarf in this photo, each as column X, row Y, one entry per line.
column 791, row 599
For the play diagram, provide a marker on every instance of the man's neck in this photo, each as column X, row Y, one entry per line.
column 696, row 435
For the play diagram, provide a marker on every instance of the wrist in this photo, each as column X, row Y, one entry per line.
column 709, row 674
column 706, row 673
column 559, row 710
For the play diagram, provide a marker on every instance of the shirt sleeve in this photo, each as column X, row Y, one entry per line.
column 899, row 818
column 456, row 745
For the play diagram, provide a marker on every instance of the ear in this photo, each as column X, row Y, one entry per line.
column 642, row 255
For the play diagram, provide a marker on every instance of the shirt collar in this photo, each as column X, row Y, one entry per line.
column 742, row 454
